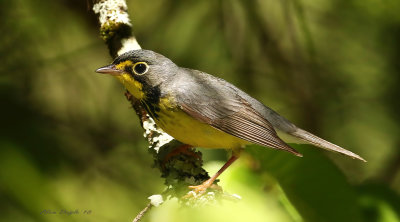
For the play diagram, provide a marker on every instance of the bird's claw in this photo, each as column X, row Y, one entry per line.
column 200, row 190
column 196, row 191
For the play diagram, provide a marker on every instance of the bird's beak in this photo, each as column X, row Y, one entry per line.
column 110, row 69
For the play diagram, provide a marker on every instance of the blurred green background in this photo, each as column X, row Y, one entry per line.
column 70, row 141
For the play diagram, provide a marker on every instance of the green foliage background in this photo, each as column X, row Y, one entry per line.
column 70, row 141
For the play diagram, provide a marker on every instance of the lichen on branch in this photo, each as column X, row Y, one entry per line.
column 115, row 26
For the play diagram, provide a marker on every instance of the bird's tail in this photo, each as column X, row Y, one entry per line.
column 316, row 141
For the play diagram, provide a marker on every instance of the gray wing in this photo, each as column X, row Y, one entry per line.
column 219, row 105
column 231, row 110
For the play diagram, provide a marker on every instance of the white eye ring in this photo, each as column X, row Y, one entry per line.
column 140, row 68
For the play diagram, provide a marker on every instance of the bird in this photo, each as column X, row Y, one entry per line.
column 201, row 110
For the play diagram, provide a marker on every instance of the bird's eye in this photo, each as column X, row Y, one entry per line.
column 140, row 68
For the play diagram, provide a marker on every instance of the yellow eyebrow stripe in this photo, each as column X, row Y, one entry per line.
column 122, row 65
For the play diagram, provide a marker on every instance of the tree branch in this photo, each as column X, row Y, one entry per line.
column 141, row 214
column 180, row 170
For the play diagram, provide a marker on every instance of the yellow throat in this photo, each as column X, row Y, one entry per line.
column 133, row 86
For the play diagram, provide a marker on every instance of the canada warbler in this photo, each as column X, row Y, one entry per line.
column 201, row 110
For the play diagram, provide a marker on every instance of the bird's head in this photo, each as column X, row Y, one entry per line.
column 140, row 71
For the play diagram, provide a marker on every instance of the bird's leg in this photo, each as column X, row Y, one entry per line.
column 201, row 189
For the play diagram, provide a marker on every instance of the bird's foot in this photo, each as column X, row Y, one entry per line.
column 200, row 190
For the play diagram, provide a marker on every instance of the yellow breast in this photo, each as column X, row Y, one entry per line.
column 190, row 131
